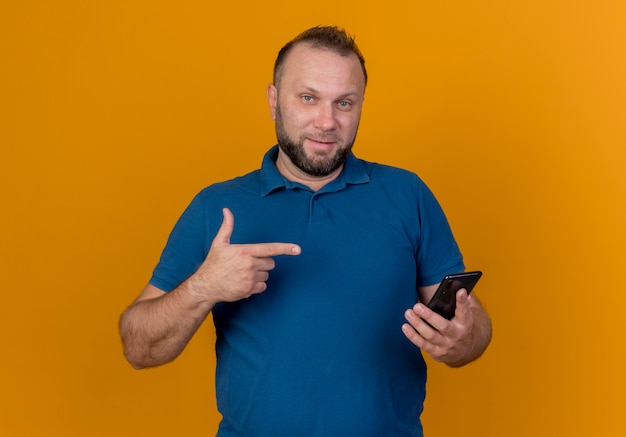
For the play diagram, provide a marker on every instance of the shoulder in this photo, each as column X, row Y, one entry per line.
column 391, row 175
column 247, row 182
column 207, row 203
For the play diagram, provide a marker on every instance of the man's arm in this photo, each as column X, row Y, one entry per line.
column 157, row 326
column 456, row 342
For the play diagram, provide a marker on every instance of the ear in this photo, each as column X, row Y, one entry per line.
column 272, row 97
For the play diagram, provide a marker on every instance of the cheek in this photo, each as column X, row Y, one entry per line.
column 295, row 120
column 350, row 123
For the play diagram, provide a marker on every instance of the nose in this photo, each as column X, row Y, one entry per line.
column 325, row 118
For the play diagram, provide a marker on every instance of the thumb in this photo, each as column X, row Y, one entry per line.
column 462, row 304
column 222, row 238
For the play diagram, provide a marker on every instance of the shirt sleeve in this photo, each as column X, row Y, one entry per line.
column 438, row 253
column 185, row 250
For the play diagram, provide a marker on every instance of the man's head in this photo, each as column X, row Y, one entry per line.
column 329, row 38
column 316, row 99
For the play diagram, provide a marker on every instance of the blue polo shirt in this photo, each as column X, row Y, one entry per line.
column 321, row 351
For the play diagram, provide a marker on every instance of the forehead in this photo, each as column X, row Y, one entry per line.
column 306, row 65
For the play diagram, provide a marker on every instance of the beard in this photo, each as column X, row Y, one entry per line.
column 319, row 165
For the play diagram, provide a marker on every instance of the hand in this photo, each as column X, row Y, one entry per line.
column 232, row 272
column 448, row 341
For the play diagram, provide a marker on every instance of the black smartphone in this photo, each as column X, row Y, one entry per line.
column 444, row 300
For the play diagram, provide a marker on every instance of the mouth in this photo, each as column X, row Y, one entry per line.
column 319, row 144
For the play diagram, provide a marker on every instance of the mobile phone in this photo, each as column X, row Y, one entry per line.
column 444, row 300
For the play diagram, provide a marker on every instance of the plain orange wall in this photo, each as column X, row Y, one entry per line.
column 114, row 114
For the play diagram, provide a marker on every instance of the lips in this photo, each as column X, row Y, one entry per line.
column 321, row 146
column 322, row 142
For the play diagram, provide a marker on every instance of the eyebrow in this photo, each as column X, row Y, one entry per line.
column 342, row 96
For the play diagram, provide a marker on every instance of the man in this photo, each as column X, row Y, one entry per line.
column 310, row 267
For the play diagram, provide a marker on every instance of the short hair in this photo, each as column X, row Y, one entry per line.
column 331, row 38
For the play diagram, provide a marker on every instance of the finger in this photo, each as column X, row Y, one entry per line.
column 417, row 337
column 463, row 310
column 264, row 264
column 417, row 317
column 222, row 238
column 429, row 317
column 410, row 333
column 261, row 276
column 264, row 250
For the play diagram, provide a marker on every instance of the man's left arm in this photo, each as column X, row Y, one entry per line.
column 455, row 342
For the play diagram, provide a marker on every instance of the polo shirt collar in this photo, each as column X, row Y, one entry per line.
column 353, row 172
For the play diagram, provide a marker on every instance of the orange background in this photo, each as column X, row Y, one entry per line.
column 114, row 114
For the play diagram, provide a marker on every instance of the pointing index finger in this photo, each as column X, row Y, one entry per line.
column 263, row 250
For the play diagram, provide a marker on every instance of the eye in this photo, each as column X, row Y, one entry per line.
column 344, row 104
column 306, row 98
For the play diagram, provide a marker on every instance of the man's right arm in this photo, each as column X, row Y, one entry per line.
column 157, row 326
